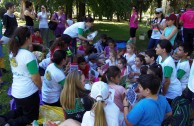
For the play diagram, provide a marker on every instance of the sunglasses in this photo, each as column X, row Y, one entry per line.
column 42, row 8
column 157, row 13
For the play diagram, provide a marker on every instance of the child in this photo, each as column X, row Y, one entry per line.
column 101, row 44
column 156, row 70
column 135, row 69
column 111, row 47
column 54, row 79
column 158, row 108
column 74, row 97
column 93, row 60
column 37, row 42
column 112, row 77
column 130, row 54
column 183, row 66
column 171, row 31
column 122, row 65
column 69, row 20
column 112, row 59
column 101, row 113
column 171, row 85
column 82, row 48
column 83, row 66
column 57, row 45
column 150, row 57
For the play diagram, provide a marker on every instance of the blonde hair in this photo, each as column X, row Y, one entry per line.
column 132, row 45
column 70, row 90
column 100, row 118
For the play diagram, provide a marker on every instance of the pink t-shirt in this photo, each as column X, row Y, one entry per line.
column 188, row 19
column 132, row 23
column 119, row 92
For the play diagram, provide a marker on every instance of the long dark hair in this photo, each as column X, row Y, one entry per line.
column 18, row 39
column 111, row 72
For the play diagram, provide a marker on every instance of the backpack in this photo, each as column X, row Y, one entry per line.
column 181, row 112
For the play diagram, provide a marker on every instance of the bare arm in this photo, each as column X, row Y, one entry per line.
column 166, row 85
column 32, row 15
column 83, row 38
column 37, row 80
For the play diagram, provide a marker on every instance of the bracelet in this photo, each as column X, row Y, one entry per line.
column 126, row 106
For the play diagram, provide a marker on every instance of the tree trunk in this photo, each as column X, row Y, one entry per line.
column 118, row 17
column 140, row 15
column 159, row 2
column 69, row 8
column 22, row 2
column 82, row 11
column 100, row 17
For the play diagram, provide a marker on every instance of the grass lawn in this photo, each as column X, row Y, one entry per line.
column 118, row 31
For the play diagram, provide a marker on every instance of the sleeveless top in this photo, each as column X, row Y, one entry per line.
column 168, row 31
column 29, row 21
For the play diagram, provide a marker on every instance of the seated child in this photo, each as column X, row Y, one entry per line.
column 111, row 47
column 141, row 114
column 83, row 66
column 37, row 42
column 122, row 65
column 130, row 54
column 82, row 48
column 101, row 44
column 150, row 57
column 112, row 59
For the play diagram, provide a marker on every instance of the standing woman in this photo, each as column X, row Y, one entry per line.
column 60, row 19
column 29, row 15
column 43, row 17
column 26, row 80
column 158, row 26
column 133, row 24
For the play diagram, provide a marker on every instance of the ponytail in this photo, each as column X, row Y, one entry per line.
column 100, row 118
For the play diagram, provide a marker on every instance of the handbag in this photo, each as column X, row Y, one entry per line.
column 53, row 25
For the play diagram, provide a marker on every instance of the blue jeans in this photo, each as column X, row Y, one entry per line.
column 152, row 43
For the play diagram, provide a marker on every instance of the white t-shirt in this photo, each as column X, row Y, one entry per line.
column 185, row 66
column 130, row 60
column 52, row 84
column 191, row 78
column 135, row 70
column 73, row 29
column 69, row 22
column 23, row 85
column 43, row 23
column 108, row 61
column 111, row 112
column 175, row 88
column 156, row 33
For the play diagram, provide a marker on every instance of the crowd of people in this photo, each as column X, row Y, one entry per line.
column 95, row 82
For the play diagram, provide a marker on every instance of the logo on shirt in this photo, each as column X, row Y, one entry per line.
column 48, row 76
column 13, row 62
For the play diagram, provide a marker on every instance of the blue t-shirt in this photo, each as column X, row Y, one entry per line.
column 149, row 112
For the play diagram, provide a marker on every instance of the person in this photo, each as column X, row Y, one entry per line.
column 29, row 15
column 183, row 66
column 171, row 31
column 101, row 44
column 156, row 70
column 158, row 26
column 171, row 85
column 133, row 24
column 26, row 80
column 101, row 113
column 60, row 18
column 188, row 26
column 54, row 79
column 69, row 20
column 37, row 42
column 83, row 66
column 43, row 17
column 130, row 54
column 77, row 30
column 122, row 65
column 150, row 57
column 9, row 22
column 112, row 59
column 83, row 47
column 74, row 97
column 111, row 47
column 140, row 114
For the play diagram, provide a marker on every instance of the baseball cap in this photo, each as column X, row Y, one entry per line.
column 159, row 10
column 100, row 91
column 93, row 56
column 171, row 17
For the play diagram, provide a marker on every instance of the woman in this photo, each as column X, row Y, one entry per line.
column 29, row 15
column 75, row 98
column 43, row 17
column 54, row 79
column 60, row 19
column 133, row 24
column 26, row 80
column 158, row 26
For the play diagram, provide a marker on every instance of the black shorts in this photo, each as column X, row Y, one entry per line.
column 132, row 32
